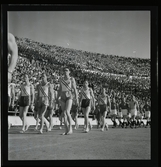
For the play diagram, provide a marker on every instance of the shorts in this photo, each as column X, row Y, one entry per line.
column 65, row 96
column 114, row 112
column 60, row 111
column 124, row 112
column 48, row 112
column 86, row 103
column 139, row 116
column 42, row 101
column 52, row 107
column 133, row 112
column 24, row 101
column 120, row 114
column 74, row 109
column 147, row 114
column 129, row 115
column 103, row 108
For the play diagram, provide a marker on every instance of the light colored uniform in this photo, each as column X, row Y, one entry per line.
column 66, row 86
column 132, row 106
column 43, row 94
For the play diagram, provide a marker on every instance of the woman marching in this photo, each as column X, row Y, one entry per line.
column 44, row 100
column 26, row 99
column 74, row 111
column 67, row 83
column 51, row 109
column 86, row 101
column 104, row 104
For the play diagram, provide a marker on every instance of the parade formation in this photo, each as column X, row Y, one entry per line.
column 69, row 100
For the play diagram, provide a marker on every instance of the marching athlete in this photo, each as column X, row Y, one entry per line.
column 74, row 111
column 104, row 103
column 36, row 113
column 67, row 83
column 44, row 99
column 26, row 99
column 51, row 110
column 86, row 102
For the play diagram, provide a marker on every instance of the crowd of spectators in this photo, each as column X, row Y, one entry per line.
column 119, row 74
column 83, row 59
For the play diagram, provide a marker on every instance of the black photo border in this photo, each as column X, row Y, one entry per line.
column 154, row 86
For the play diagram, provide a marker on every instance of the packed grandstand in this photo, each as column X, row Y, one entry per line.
column 117, row 73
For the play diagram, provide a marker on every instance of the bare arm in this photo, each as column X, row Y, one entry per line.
column 59, row 92
column 36, row 90
column 13, row 50
column 109, row 102
column 51, row 93
column 75, row 89
column 13, row 94
column 92, row 97
column 32, row 94
column 80, row 98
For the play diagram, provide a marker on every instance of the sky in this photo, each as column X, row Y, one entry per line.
column 122, row 33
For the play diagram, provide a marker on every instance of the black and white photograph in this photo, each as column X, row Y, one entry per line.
column 79, row 85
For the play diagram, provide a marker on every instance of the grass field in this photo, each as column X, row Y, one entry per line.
column 116, row 143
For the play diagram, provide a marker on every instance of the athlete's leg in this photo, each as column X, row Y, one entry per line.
column 76, row 120
column 21, row 117
column 51, row 124
column 21, row 113
column 25, row 122
column 37, row 119
column 104, row 120
column 69, row 118
column 65, row 116
column 86, row 114
column 43, row 119
column 114, row 120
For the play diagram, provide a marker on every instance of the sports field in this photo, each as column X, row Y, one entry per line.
column 116, row 143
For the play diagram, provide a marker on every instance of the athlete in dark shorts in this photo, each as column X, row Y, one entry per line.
column 86, row 101
column 26, row 99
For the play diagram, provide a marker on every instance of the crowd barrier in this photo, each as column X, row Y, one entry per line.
column 16, row 121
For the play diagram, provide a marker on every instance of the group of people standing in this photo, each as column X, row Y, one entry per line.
column 46, row 100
